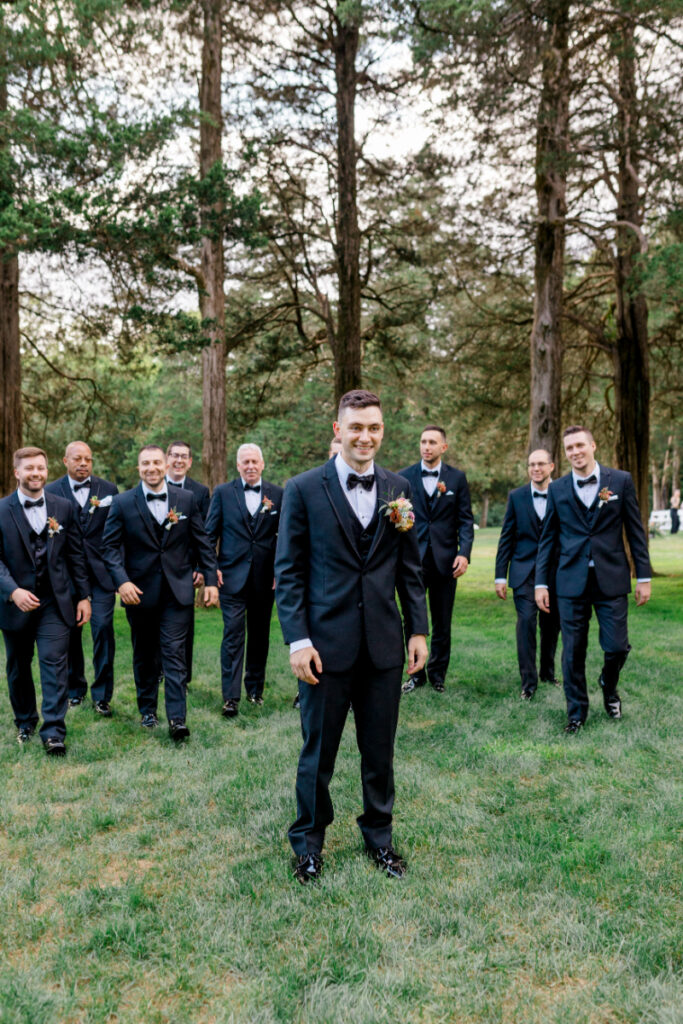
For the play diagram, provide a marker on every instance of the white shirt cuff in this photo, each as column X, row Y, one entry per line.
column 500, row 580
column 541, row 586
column 298, row 645
column 645, row 579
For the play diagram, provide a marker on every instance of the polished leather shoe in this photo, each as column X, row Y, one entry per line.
column 177, row 730
column 438, row 687
column 255, row 699
column 612, row 701
column 75, row 701
column 54, row 747
column 573, row 726
column 230, row 708
column 528, row 694
column 408, row 686
column 101, row 707
column 388, row 861
column 149, row 721
column 296, row 703
column 552, row 680
column 24, row 734
column 309, row 868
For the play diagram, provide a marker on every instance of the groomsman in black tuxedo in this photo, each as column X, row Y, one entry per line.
column 588, row 511
column 154, row 538
column 445, row 528
column 339, row 562
column 91, row 497
column 517, row 548
column 43, row 575
column 178, row 465
column 243, row 520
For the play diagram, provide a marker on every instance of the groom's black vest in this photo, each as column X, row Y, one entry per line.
column 364, row 535
column 39, row 546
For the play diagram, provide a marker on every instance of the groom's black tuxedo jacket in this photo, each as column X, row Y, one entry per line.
column 446, row 522
column 582, row 534
column 67, row 569
column 325, row 590
column 245, row 543
column 137, row 549
column 92, row 523
column 519, row 537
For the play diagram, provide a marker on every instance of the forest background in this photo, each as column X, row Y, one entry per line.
column 216, row 217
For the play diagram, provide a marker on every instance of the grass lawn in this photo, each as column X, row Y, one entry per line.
column 145, row 883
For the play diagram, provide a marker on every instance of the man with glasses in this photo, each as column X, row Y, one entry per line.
column 516, row 554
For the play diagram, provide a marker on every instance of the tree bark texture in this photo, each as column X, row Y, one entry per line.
column 347, row 354
column 10, row 369
column 551, row 190
column 211, row 294
column 630, row 355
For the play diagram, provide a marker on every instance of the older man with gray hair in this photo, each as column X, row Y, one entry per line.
column 243, row 521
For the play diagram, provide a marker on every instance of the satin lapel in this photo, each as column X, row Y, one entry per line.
column 21, row 522
column 603, row 481
column 578, row 504
column 68, row 493
column 84, row 513
column 383, row 497
column 340, row 505
column 531, row 512
column 419, row 494
column 438, row 503
column 145, row 513
column 261, row 516
column 50, row 509
column 238, row 491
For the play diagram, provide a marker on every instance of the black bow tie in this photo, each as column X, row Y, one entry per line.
column 174, row 483
column 252, row 487
column 430, row 472
column 353, row 480
column 77, row 487
column 589, row 480
column 151, row 496
column 38, row 503
column 539, row 494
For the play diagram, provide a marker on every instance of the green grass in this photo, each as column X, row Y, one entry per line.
column 145, row 883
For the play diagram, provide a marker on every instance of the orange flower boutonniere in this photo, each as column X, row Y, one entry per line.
column 53, row 526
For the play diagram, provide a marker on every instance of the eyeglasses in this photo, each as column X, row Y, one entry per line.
column 537, row 465
column 179, row 455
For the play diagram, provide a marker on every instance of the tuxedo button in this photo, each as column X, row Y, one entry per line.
column 360, row 604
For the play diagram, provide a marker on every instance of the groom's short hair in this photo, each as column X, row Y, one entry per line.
column 577, row 429
column 357, row 400
column 433, row 426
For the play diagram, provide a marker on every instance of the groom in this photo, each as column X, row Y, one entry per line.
column 339, row 562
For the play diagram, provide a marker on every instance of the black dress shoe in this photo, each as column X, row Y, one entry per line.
column 24, row 734
column 149, row 721
column 75, row 701
column 573, row 726
column 309, row 868
column 230, row 708
column 611, row 700
column 388, row 861
column 550, row 679
column 408, row 686
column 177, row 730
column 101, row 707
column 296, row 703
column 528, row 694
column 438, row 687
column 255, row 699
column 54, row 747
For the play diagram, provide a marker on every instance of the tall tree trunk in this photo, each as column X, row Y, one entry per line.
column 484, row 517
column 656, row 488
column 211, row 295
column 10, row 360
column 347, row 355
column 551, row 191
column 630, row 354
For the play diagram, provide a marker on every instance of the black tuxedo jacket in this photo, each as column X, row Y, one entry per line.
column 136, row 550
column 326, row 591
column 519, row 537
column 66, row 563
column 244, row 544
column 202, row 494
column 582, row 534
column 92, row 520
column 447, row 524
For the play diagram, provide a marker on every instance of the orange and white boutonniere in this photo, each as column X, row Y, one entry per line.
column 606, row 495
column 96, row 503
column 441, row 489
column 266, row 505
column 53, row 526
column 400, row 513
column 173, row 517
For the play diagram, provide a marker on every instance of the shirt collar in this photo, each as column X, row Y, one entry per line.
column 146, row 490
column 535, row 487
column 72, row 482
column 23, row 498
column 595, row 472
column 245, row 482
column 430, row 469
column 343, row 469
column 176, row 483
